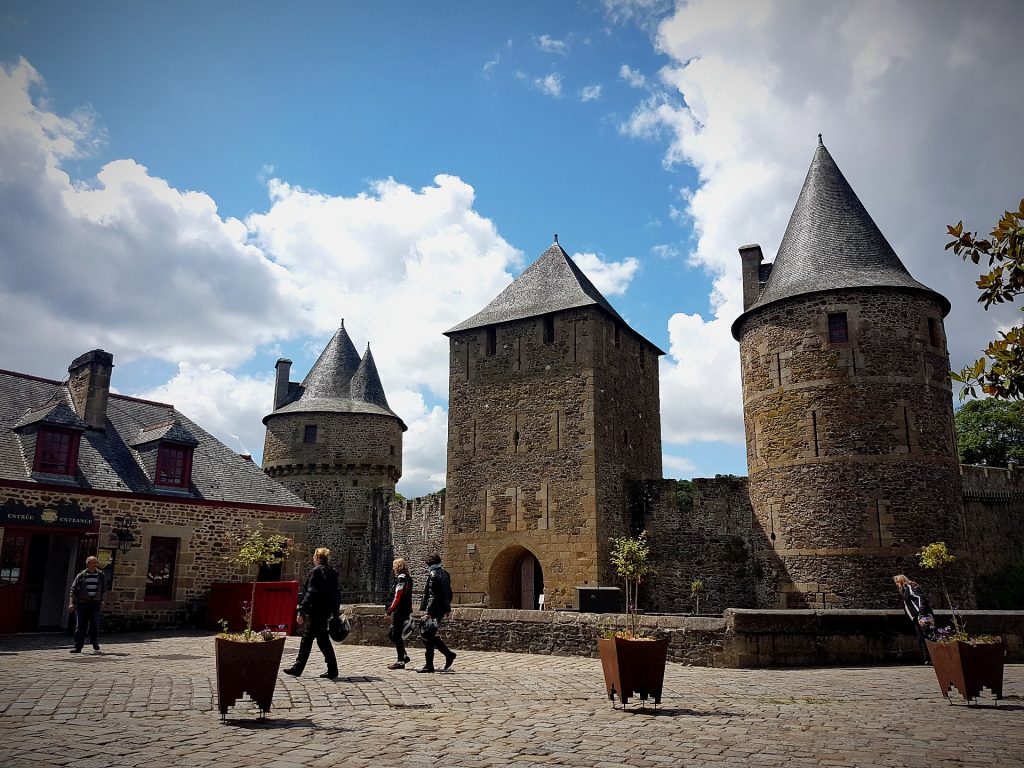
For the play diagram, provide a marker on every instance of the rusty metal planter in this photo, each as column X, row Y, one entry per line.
column 969, row 667
column 247, row 668
column 633, row 667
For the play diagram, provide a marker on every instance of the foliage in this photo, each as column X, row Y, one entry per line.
column 630, row 557
column 1001, row 372
column 990, row 432
column 937, row 557
column 696, row 590
column 254, row 546
column 684, row 495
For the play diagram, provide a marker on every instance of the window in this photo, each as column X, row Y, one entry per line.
column 549, row 329
column 163, row 556
column 174, row 465
column 310, row 434
column 933, row 332
column 56, row 451
column 11, row 560
column 616, row 337
column 491, row 341
column 392, row 448
column 837, row 329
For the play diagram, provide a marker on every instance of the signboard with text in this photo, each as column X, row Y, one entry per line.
column 63, row 514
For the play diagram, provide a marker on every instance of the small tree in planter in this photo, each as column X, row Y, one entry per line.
column 696, row 590
column 961, row 661
column 633, row 662
column 247, row 662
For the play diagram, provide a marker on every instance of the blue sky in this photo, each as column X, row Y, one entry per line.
column 203, row 187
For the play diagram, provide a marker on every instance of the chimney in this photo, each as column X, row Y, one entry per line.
column 284, row 369
column 89, row 384
column 751, row 257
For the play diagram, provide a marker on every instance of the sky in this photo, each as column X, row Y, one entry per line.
column 202, row 188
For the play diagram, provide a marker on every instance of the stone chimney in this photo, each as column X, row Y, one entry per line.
column 89, row 385
column 284, row 369
column 751, row 257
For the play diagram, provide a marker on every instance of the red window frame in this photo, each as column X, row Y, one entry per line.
column 56, row 451
column 174, row 465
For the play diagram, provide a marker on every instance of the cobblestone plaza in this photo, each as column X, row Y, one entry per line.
column 149, row 700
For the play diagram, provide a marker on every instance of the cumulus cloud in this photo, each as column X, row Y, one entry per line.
column 550, row 44
column 677, row 466
column 590, row 93
column 632, row 77
column 611, row 278
column 129, row 263
column 549, row 85
column 490, row 64
column 908, row 99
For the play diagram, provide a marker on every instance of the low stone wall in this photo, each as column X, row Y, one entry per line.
column 740, row 638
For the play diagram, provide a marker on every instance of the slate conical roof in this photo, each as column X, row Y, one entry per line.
column 832, row 243
column 551, row 284
column 366, row 384
column 333, row 370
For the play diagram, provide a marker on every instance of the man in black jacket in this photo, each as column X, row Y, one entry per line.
column 436, row 604
column 321, row 599
column 86, row 599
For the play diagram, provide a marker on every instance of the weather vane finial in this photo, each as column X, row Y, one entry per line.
column 819, row 139
column 556, row 237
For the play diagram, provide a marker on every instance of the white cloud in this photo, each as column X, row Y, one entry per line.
column 665, row 251
column 914, row 104
column 677, row 467
column 550, row 85
column 490, row 64
column 611, row 278
column 550, row 44
column 632, row 77
column 590, row 93
column 424, row 446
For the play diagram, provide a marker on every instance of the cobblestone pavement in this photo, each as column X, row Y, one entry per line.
column 149, row 700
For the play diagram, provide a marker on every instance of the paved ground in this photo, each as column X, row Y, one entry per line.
column 149, row 700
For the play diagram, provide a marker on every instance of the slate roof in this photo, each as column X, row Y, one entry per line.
column 551, row 284
column 59, row 411
column 339, row 382
column 832, row 243
column 107, row 461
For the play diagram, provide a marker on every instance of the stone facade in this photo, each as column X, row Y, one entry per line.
column 850, row 446
column 994, row 519
column 552, row 422
column 417, row 530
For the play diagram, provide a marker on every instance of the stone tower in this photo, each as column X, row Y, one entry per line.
column 334, row 441
column 553, row 421
column 847, row 406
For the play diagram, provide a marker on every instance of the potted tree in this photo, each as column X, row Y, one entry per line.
column 248, row 661
column 696, row 590
column 961, row 661
column 633, row 662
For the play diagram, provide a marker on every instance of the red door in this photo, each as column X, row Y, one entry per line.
column 13, row 570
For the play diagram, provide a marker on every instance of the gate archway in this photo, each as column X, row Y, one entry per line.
column 516, row 580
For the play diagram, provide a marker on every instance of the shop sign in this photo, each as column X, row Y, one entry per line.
column 63, row 514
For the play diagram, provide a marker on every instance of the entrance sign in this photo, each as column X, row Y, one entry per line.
column 63, row 514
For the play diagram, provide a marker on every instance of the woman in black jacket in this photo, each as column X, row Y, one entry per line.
column 321, row 599
column 915, row 603
column 400, row 610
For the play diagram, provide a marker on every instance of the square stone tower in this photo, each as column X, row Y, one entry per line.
column 553, row 422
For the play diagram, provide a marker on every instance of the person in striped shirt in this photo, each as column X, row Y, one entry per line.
column 86, row 598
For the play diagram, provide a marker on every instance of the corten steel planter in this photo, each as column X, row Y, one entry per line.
column 633, row 667
column 247, row 668
column 969, row 667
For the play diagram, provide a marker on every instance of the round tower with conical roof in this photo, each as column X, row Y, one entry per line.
column 847, row 406
column 334, row 441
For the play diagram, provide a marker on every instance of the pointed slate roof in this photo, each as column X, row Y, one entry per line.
column 832, row 243
column 366, row 384
column 59, row 410
column 333, row 370
column 551, row 284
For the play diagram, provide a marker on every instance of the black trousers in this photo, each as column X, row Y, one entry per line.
column 87, row 616
column 397, row 624
column 438, row 643
column 315, row 628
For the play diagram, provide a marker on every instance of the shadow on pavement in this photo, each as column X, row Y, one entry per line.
column 270, row 724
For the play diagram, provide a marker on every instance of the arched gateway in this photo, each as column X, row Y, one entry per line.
column 516, row 580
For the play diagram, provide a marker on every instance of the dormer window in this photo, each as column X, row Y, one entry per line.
column 174, row 465
column 56, row 451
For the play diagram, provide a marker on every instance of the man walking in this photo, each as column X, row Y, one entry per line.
column 436, row 604
column 86, row 598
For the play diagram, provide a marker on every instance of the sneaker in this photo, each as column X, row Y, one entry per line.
column 406, row 660
column 449, row 660
column 329, row 675
column 95, row 646
column 292, row 671
column 397, row 665
column 428, row 670
column 75, row 650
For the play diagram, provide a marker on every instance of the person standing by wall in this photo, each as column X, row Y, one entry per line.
column 915, row 603
column 400, row 609
column 436, row 604
column 88, row 591
column 321, row 599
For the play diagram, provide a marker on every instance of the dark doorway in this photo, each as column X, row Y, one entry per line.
column 527, row 583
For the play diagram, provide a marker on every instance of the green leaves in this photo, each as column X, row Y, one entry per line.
column 935, row 556
column 255, row 547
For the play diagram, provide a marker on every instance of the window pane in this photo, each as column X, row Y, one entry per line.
column 53, row 452
column 163, row 553
column 837, row 332
column 310, row 436
column 171, row 465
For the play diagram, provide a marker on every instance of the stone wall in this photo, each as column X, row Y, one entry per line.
column 739, row 639
column 417, row 530
column 203, row 532
column 994, row 518
column 850, row 447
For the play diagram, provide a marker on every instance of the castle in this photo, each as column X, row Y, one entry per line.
column 554, row 440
